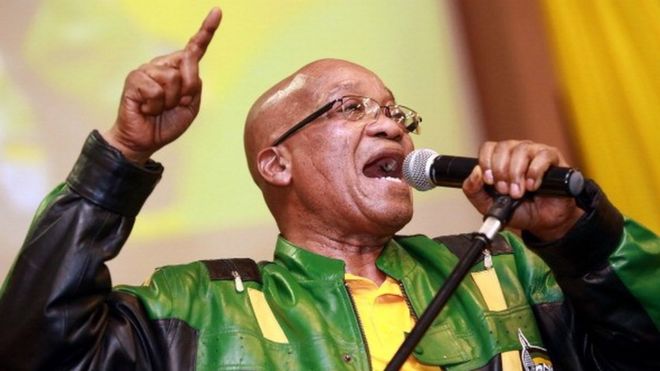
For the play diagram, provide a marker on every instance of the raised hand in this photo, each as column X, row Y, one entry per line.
column 513, row 168
column 161, row 98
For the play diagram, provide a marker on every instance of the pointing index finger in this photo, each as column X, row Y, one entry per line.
column 200, row 41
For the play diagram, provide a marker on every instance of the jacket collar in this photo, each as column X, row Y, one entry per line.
column 395, row 261
column 306, row 265
column 309, row 266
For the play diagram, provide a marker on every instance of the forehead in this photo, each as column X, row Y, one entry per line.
column 352, row 80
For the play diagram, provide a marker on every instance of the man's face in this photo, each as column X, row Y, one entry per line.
column 347, row 173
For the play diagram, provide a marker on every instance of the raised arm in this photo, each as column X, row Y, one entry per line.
column 161, row 98
column 57, row 309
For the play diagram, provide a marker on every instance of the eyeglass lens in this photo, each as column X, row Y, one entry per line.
column 355, row 108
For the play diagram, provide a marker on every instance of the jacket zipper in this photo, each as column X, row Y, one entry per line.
column 410, row 307
column 359, row 322
column 407, row 300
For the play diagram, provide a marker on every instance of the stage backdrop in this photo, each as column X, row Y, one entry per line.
column 62, row 66
column 608, row 61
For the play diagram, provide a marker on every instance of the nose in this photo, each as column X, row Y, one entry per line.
column 385, row 127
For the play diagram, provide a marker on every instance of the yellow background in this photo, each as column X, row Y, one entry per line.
column 608, row 58
column 62, row 66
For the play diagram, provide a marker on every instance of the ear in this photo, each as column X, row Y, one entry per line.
column 274, row 166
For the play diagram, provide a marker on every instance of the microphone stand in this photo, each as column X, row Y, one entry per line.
column 496, row 217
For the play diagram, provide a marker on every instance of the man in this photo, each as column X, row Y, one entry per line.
column 343, row 289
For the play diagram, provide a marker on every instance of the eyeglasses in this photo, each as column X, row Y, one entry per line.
column 355, row 108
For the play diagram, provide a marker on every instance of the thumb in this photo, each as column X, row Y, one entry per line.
column 473, row 187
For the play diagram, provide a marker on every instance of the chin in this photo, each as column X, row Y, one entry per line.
column 393, row 219
column 401, row 221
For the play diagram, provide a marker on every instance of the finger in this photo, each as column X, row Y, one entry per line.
column 485, row 154
column 145, row 92
column 169, row 60
column 173, row 60
column 543, row 159
column 500, row 165
column 475, row 192
column 169, row 79
column 152, row 99
column 200, row 41
column 151, row 95
column 521, row 156
column 474, row 182
column 191, row 84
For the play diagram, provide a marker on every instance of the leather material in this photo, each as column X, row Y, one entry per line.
column 458, row 244
column 58, row 310
column 580, row 251
column 465, row 335
column 221, row 269
column 588, row 267
column 103, row 176
column 495, row 364
column 176, row 336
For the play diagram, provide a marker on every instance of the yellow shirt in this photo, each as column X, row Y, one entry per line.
column 385, row 318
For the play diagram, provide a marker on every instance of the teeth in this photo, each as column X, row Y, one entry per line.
column 389, row 166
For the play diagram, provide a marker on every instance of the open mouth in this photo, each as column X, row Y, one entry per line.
column 384, row 167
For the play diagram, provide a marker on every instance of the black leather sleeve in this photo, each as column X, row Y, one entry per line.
column 57, row 310
column 600, row 322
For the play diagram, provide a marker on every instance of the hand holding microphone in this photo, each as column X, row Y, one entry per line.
column 513, row 168
column 425, row 169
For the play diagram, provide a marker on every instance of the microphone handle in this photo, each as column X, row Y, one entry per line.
column 451, row 171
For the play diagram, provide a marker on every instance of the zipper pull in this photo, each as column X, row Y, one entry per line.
column 238, row 282
column 488, row 259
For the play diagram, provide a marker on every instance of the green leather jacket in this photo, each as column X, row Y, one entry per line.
column 596, row 308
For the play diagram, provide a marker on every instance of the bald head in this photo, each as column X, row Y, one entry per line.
column 290, row 100
column 319, row 181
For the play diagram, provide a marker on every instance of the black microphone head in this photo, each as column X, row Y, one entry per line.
column 416, row 170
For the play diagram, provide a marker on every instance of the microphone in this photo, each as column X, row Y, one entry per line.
column 424, row 169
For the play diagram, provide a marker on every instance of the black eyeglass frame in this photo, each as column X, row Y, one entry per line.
column 325, row 108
